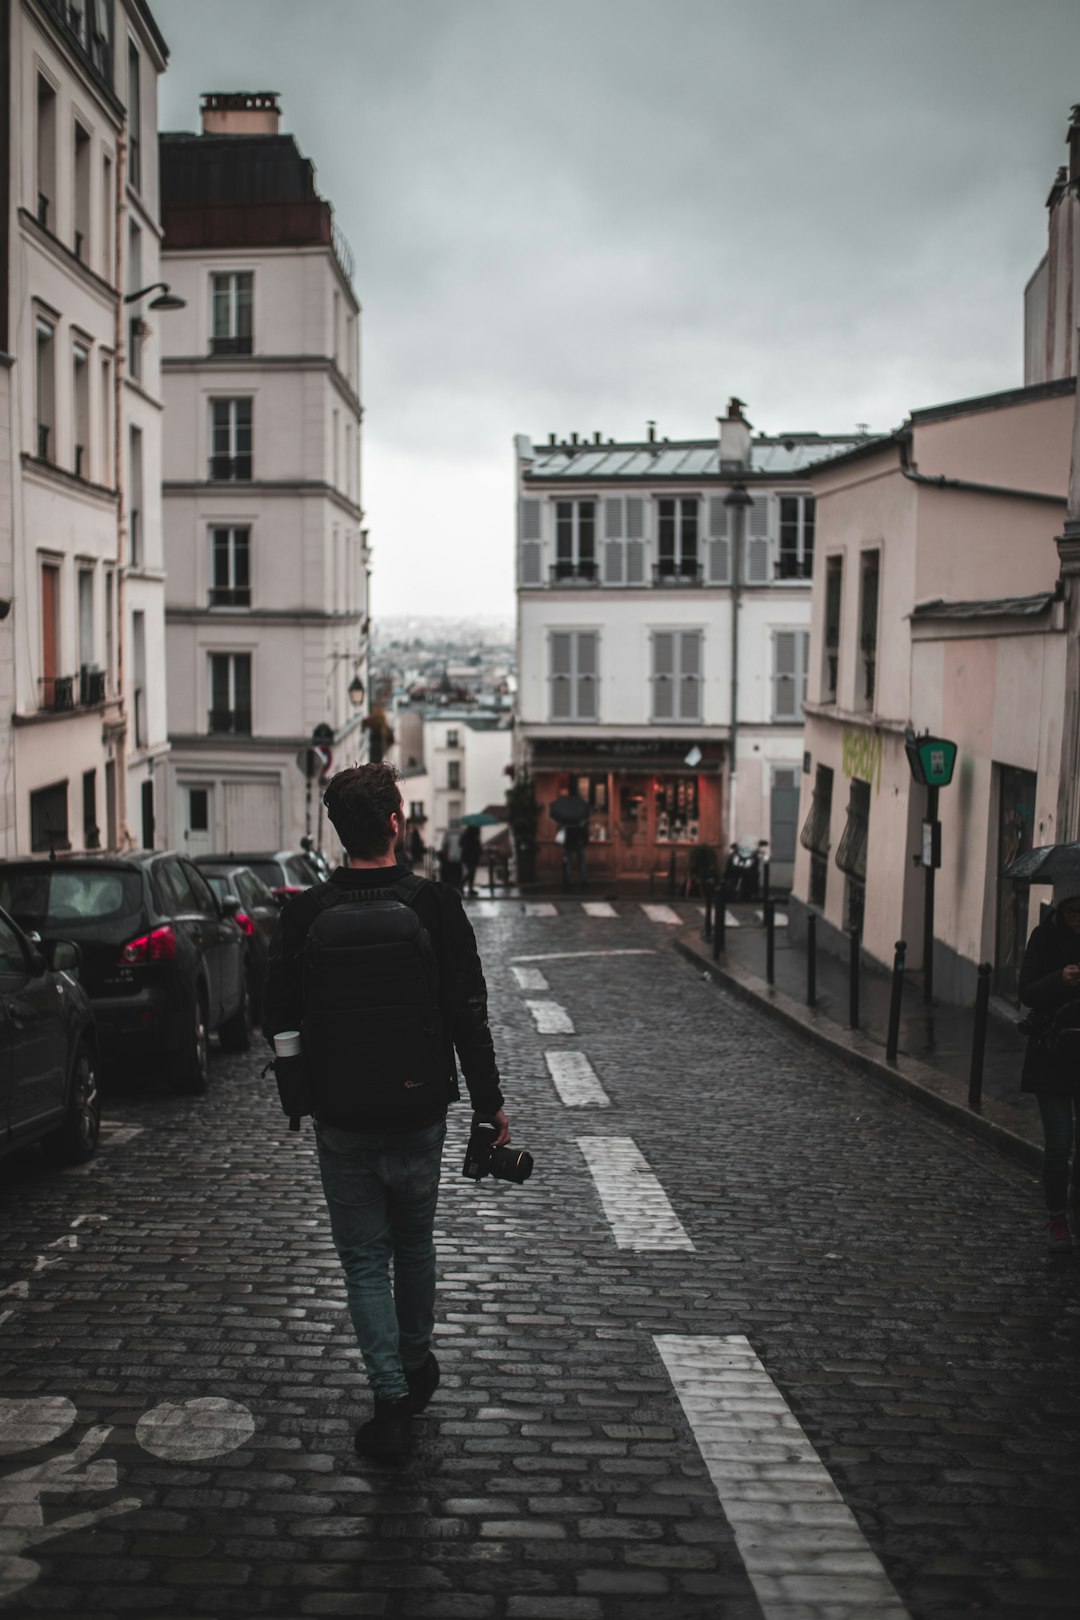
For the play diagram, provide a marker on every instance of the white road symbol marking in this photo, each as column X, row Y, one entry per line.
column 635, row 1204
column 529, row 978
column 660, row 914
column 780, row 918
column 800, row 1543
column 575, row 1080
column 598, row 908
column 191, row 1431
column 550, row 1018
column 566, row 956
column 27, row 1421
column 540, row 908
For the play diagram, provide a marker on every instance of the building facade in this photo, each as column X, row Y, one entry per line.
column 455, row 762
column 81, row 647
column 1052, row 296
column 936, row 609
column 663, row 593
column 267, row 555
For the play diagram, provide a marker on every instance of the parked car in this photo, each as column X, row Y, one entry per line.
column 48, row 1050
column 256, row 912
column 287, row 872
column 162, row 961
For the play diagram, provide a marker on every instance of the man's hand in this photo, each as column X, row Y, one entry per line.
column 1071, row 974
column 502, row 1124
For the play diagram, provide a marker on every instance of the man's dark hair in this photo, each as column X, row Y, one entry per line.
column 360, row 802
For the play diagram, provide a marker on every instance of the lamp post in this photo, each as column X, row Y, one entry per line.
column 736, row 500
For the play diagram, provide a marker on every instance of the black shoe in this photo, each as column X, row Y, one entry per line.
column 387, row 1436
column 423, row 1381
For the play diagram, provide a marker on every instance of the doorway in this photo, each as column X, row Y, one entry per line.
column 1016, row 835
column 196, row 802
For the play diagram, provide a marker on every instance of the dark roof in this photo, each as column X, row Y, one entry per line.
column 235, row 169
column 995, row 402
column 773, row 457
column 990, row 608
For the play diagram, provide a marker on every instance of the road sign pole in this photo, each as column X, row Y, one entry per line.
column 928, row 907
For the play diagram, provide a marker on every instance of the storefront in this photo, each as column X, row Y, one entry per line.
column 645, row 802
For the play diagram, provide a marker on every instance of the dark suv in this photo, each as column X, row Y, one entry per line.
column 161, row 960
column 285, row 873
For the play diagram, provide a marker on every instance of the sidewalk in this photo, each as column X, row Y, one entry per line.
column 935, row 1042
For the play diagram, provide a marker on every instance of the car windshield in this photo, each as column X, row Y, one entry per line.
column 269, row 871
column 47, row 896
column 218, row 882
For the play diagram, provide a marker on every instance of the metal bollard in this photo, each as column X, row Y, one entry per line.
column 710, row 891
column 978, row 1041
column 811, row 959
column 770, row 941
column 719, row 924
column 853, row 979
column 765, row 880
column 491, row 876
column 896, row 1000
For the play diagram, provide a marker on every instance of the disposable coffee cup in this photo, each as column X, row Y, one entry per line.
column 287, row 1043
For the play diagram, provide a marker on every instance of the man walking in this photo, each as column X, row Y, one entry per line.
column 379, row 971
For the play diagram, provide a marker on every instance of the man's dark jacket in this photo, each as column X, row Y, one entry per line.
column 1051, row 947
column 463, row 993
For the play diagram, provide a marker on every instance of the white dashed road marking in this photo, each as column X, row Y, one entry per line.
column 780, row 918
column 529, row 978
column 803, row 1550
column 550, row 1018
column 575, row 1080
column 598, row 908
column 565, row 956
column 660, row 914
column 540, row 908
column 634, row 1202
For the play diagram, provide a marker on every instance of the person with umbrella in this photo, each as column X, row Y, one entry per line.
column 1050, row 986
column 572, row 814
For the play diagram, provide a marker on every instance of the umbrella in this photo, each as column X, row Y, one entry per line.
column 479, row 818
column 1047, row 864
column 570, row 810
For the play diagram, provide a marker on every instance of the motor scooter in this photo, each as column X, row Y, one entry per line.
column 742, row 872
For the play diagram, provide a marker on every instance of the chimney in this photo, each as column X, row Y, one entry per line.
column 240, row 112
column 734, row 438
column 1074, row 145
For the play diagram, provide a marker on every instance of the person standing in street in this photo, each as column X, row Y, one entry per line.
column 574, row 842
column 450, row 864
column 380, row 1065
column 470, row 856
column 1050, row 985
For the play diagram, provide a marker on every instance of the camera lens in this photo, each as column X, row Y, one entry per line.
column 510, row 1164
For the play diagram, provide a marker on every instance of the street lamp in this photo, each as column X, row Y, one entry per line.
column 166, row 299
column 737, row 500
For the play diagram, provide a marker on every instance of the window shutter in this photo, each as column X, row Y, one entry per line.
column 784, row 674
column 802, row 670
column 635, row 562
column 758, row 527
column 757, row 561
column 718, row 553
column 635, row 517
column 663, row 675
column 613, row 562
column 560, row 675
column 718, row 516
column 586, row 675
column 690, row 675
column 531, row 557
column 613, row 517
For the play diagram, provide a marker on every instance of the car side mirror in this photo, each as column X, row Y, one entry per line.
column 65, row 956
column 230, row 905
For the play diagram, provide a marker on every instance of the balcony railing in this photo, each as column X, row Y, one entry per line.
column 230, row 469
column 231, row 345
column 230, row 721
column 671, row 571
column 43, row 432
column 57, row 692
column 790, row 566
column 574, row 573
column 65, row 693
column 233, row 596
column 91, row 687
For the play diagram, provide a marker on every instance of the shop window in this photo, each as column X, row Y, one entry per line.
column 851, row 852
column 675, row 801
column 815, row 834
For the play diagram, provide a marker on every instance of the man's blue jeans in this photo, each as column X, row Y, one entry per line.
column 381, row 1190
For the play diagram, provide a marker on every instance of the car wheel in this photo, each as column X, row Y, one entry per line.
column 191, row 1066
column 77, row 1138
column 235, row 1033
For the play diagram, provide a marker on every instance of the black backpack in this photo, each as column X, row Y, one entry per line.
column 377, row 1053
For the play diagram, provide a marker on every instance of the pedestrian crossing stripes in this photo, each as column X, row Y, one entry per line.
column 636, row 1206
column 660, row 914
column 540, row 908
column 529, row 978
column 575, row 1080
column 802, row 1548
column 598, row 908
column 779, row 918
column 550, row 1018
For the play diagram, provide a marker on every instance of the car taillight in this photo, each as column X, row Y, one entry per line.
column 286, row 890
column 159, row 946
column 243, row 921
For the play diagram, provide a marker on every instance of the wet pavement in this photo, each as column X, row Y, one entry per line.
column 759, row 1340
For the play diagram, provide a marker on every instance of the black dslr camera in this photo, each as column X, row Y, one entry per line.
column 483, row 1158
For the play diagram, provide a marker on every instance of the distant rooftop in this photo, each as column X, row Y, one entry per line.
column 781, row 456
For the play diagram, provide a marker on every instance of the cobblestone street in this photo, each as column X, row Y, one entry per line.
column 779, row 1345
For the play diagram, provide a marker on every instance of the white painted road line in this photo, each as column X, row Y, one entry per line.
column 730, row 919
column 540, row 908
column 575, row 1080
column 660, row 914
column 801, row 1545
column 780, row 918
column 634, row 1202
column 598, row 908
column 550, row 1018
column 565, row 956
column 529, row 978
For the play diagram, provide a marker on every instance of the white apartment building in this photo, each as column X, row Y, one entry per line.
column 81, row 573
column 267, row 557
column 663, row 593
column 455, row 763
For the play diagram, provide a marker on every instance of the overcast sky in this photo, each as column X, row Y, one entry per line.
column 582, row 214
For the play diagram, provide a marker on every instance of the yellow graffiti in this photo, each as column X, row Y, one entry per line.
column 863, row 751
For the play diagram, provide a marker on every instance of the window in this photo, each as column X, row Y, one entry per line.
column 676, row 807
column 677, row 536
column 135, row 498
column 230, row 567
column 834, row 576
column 138, row 677
column 676, row 675
column 815, row 834
column 108, row 471
column 45, row 388
column 575, row 540
column 790, row 649
column 231, row 312
column 868, row 624
column 796, row 559
column 91, row 830
column 107, row 203
column 147, row 816
column 82, row 194
column 851, row 851
column 453, row 775
column 110, row 635
column 86, row 617
column 134, row 111
column 80, row 402
column 529, row 545
column 230, row 440
column 624, row 540
column 49, row 818
column 52, row 687
column 198, row 809
column 230, row 693
column 453, row 739
column 46, row 153
column 573, row 666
